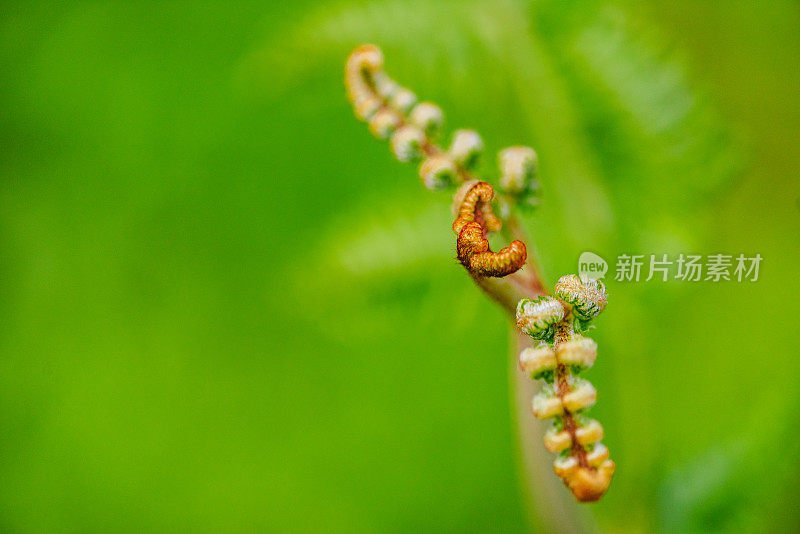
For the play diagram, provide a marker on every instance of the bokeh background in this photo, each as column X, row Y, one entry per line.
column 226, row 308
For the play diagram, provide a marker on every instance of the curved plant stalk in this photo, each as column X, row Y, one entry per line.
column 509, row 276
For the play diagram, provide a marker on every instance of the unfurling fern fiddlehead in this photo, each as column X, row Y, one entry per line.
column 509, row 275
column 561, row 355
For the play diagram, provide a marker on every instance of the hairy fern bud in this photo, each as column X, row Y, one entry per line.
column 586, row 296
column 384, row 85
column 428, row 117
column 366, row 106
column 403, row 100
column 597, row 455
column 547, row 403
column 438, row 172
column 557, row 440
column 589, row 484
column 539, row 361
column 466, row 148
column 537, row 317
column 384, row 123
column 407, row 143
column 518, row 169
column 582, row 395
column 579, row 352
column 590, row 433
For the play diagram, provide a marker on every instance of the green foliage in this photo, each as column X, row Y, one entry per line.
column 180, row 181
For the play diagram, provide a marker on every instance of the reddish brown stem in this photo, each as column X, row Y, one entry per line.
column 563, row 332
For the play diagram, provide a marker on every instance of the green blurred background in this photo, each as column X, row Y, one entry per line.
column 226, row 308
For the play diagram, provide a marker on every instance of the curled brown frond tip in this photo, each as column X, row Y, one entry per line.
column 475, row 217
column 473, row 202
column 474, row 253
